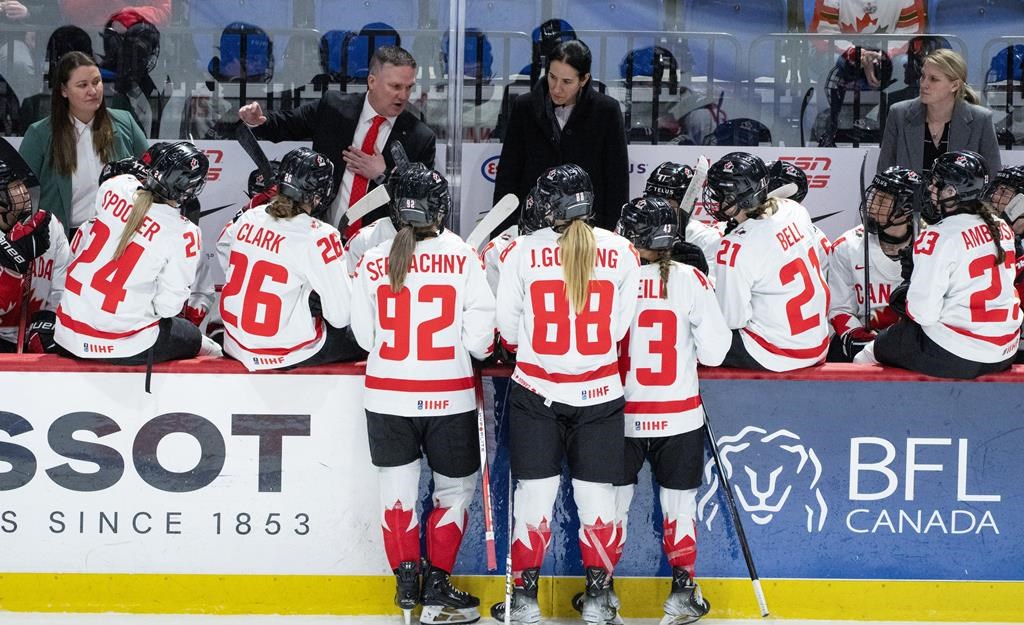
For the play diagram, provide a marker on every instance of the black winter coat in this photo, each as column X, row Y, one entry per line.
column 594, row 138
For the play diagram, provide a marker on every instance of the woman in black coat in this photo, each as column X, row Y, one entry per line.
column 564, row 120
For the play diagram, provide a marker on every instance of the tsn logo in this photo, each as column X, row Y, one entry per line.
column 812, row 164
column 215, row 156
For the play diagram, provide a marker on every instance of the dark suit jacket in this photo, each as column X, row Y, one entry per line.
column 594, row 138
column 970, row 128
column 330, row 123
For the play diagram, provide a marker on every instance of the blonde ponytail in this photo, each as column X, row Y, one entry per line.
column 400, row 256
column 579, row 251
column 141, row 203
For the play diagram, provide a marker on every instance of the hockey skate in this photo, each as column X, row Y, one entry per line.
column 613, row 600
column 685, row 604
column 524, row 607
column 407, row 588
column 444, row 603
column 597, row 608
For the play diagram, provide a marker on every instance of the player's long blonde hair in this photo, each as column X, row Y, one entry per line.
column 579, row 251
column 142, row 201
column 402, row 248
column 282, row 207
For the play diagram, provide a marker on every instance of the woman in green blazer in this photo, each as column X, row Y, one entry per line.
column 54, row 146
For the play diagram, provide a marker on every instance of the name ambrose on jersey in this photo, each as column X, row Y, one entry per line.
column 421, row 263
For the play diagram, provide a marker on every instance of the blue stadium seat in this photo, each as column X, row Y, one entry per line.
column 744, row 19
column 976, row 22
column 505, row 16
column 208, row 19
column 611, row 19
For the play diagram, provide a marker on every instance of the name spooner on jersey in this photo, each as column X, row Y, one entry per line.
column 421, row 263
column 121, row 208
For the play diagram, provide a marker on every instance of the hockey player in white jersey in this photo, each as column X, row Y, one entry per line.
column 783, row 175
column 962, row 312
column 677, row 323
column 769, row 280
column 134, row 264
column 889, row 209
column 422, row 309
column 44, row 260
column 566, row 297
column 670, row 182
column 1006, row 194
column 280, row 257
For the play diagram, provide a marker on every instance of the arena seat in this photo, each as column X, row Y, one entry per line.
column 744, row 19
column 208, row 19
column 976, row 22
column 606, row 26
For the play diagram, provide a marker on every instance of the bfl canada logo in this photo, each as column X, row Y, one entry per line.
column 795, row 474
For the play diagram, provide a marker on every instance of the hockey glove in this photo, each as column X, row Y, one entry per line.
column 40, row 333
column 906, row 263
column 883, row 318
column 854, row 340
column 25, row 242
column 898, row 299
column 193, row 315
column 689, row 254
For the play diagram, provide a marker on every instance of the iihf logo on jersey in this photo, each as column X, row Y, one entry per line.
column 794, row 473
column 91, row 348
column 594, row 393
column 432, row 404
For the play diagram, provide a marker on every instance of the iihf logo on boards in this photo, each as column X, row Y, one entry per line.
column 793, row 478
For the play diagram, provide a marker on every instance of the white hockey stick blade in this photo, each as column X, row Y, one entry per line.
column 785, row 191
column 700, row 174
column 378, row 196
column 492, row 220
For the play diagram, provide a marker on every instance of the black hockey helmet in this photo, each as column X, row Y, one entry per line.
column 12, row 208
column 669, row 180
column 737, row 182
column 781, row 173
column 1012, row 179
column 963, row 171
column 532, row 217
column 565, row 193
column 176, row 171
column 128, row 165
column 900, row 184
column 306, row 176
column 420, row 197
column 648, row 223
column 258, row 183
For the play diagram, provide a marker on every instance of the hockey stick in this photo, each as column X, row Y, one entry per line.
column 485, row 475
column 398, row 155
column 252, row 147
column 375, row 197
column 867, row 257
column 803, row 109
column 492, row 220
column 508, row 554
column 740, row 534
column 700, row 174
column 26, row 293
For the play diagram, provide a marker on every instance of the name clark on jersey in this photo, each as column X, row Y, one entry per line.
column 552, row 257
column 979, row 235
column 421, row 263
column 121, row 208
column 260, row 237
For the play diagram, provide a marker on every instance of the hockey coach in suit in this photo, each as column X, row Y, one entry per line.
column 356, row 130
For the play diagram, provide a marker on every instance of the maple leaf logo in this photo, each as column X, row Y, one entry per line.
column 862, row 23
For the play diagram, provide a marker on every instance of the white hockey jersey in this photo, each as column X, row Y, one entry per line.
column 869, row 17
column 658, row 358
column 368, row 238
column 112, row 308
column 771, row 287
column 420, row 339
column 961, row 297
column 274, row 264
column 563, row 355
column 46, row 288
column 707, row 237
column 846, row 282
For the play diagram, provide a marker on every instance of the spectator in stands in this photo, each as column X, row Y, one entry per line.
column 88, row 13
column 869, row 17
column 67, row 149
column 564, row 120
column 339, row 123
column 948, row 108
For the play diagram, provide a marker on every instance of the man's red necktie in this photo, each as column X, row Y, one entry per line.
column 360, row 183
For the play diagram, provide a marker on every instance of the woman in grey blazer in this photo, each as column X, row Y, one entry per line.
column 944, row 118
